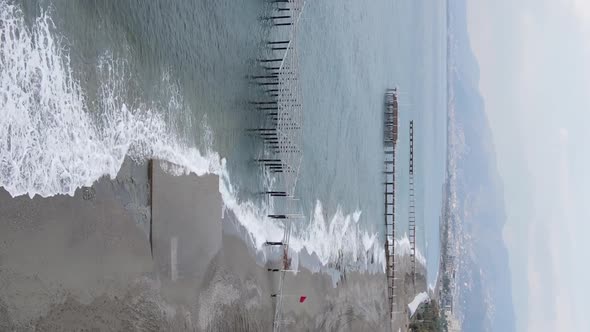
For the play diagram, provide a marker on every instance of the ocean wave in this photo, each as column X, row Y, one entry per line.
column 52, row 143
column 340, row 237
column 403, row 248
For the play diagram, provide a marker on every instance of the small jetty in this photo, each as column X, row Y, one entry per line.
column 390, row 135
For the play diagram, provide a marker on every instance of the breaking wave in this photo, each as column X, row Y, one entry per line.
column 52, row 143
column 403, row 248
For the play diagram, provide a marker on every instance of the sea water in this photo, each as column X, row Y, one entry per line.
column 82, row 84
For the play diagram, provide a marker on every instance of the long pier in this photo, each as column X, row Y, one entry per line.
column 279, row 105
column 412, row 205
column 390, row 135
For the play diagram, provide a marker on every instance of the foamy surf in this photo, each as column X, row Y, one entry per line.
column 51, row 143
column 403, row 248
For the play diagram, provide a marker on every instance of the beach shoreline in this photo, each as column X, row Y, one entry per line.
column 156, row 251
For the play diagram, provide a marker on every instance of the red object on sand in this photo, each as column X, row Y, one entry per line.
column 302, row 298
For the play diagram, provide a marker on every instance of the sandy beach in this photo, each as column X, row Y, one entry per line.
column 94, row 261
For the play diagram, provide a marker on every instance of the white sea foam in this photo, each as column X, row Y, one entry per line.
column 402, row 245
column 402, row 248
column 340, row 235
column 51, row 143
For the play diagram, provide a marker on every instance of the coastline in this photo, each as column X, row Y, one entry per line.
column 408, row 290
column 121, row 255
column 85, row 261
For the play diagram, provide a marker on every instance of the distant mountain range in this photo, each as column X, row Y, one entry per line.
column 484, row 294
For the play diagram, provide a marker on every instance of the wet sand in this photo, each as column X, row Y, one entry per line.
column 94, row 261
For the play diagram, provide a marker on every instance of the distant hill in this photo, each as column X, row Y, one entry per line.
column 484, row 278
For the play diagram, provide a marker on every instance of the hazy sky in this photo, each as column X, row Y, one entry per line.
column 535, row 80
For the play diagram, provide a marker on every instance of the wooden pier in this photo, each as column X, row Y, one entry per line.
column 279, row 106
column 279, row 103
column 390, row 136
